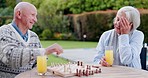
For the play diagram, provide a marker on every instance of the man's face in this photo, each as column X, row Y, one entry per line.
column 29, row 17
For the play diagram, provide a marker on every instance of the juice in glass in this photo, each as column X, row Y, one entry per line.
column 41, row 65
column 109, row 55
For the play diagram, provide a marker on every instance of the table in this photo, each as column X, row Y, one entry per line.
column 107, row 72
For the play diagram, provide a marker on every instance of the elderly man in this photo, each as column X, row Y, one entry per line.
column 125, row 39
column 20, row 46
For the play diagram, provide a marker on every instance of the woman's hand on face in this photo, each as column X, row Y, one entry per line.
column 125, row 25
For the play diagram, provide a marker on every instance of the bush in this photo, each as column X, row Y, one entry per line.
column 64, row 36
column 144, row 26
column 92, row 24
column 51, row 18
column 46, row 34
column 80, row 6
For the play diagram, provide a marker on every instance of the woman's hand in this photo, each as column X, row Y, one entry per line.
column 125, row 25
column 104, row 63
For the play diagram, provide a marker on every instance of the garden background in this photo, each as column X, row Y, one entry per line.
column 76, row 20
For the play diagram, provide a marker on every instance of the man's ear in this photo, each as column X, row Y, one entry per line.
column 18, row 14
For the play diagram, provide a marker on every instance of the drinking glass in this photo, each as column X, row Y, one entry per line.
column 109, row 55
column 41, row 65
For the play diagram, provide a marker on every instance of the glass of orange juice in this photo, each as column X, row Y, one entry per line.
column 41, row 65
column 109, row 55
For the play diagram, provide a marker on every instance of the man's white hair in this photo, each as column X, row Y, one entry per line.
column 132, row 15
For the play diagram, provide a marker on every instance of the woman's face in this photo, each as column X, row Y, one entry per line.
column 117, row 24
column 118, row 20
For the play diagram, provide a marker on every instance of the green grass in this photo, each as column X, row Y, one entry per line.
column 56, row 60
column 66, row 45
column 71, row 44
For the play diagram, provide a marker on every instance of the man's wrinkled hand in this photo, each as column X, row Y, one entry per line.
column 54, row 48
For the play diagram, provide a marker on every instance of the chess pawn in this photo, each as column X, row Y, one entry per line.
column 87, row 72
column 78, row 63
column 92, row 73
column 65, row 69
column 87, row 67
column 70, row 70
column 77, row 72
column 99, row 70
column 81, row 64
column 80, row 73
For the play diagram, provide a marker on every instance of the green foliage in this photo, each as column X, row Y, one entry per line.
column 2, row 3
column 144, row 26
column 79, row 6
column 37, row 3
column 92, row 24
column 6, row 15
column 7, row 3
column 8, row 11
column 52, row 18
column 11, row 3
column 38, row 29
column 46, row 34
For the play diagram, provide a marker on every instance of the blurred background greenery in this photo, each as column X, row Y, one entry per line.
column 74, row 19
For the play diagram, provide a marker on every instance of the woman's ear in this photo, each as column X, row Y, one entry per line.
column 131, row 25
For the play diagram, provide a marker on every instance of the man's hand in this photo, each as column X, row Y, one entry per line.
column 54, row 48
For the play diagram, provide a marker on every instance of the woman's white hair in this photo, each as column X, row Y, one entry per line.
column 132, row 15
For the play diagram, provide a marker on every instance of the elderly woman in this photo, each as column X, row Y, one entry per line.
column 126, row 40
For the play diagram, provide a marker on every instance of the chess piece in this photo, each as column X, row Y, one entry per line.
column 92, row 73
column 77, row 72
column 95, row 66
column 87, row 67
column 99, row 70
column 78, row 63
column 80, row 73
column 87, row 72
column 70, row 70
column 65, row 68
column 81, row 63
column 53, row 72
column 83, row 71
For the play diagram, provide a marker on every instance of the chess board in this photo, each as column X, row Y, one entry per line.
column 67, row 70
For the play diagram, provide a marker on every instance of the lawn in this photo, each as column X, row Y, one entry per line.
column 71, row 44
column 66, row 45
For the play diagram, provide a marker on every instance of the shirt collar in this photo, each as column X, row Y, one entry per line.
column 24, row 36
